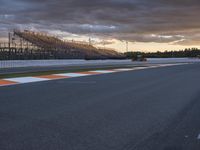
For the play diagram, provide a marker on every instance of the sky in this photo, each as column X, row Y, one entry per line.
column 147, row 25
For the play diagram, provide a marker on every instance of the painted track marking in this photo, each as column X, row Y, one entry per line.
column 52, row 77
column 26, row 79
column 21, row 80
column 5, row 82
column 71, row 74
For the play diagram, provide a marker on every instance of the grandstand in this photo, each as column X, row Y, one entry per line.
column 34, row 45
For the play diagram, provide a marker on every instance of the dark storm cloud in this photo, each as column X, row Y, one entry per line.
column 134, row 20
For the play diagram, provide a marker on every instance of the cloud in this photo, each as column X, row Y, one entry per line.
column 132, row 20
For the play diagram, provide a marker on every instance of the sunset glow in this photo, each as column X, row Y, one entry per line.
column 146, row 25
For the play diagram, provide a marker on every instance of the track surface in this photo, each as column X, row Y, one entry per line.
column 153, row 109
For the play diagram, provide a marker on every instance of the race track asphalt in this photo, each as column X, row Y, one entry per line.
column 152, row 109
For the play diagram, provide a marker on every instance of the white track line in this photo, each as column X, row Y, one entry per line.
column 123, row 69
column 72, row 74
column 103, row 71
column 166, row 65
column 140, row 68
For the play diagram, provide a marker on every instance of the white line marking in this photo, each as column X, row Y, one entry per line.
column 124, row 69
column 153, row 66
column 103, row 71
column 177, row 64
column 140, row 68
column 72, row 74
column 26, row 79
column 166, row 65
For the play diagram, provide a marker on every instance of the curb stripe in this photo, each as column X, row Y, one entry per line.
column 5, row 82
column 25, row 79
column 21, row 80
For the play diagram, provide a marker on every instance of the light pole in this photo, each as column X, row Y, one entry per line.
column 127, row 46
column 9, row 40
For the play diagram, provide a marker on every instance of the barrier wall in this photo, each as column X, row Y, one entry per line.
column 69, row 62
column 43, row 63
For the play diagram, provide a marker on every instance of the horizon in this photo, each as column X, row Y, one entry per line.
column 148, row 26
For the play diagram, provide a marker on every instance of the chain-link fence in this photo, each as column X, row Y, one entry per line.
column 43, row 63
column 79, row 62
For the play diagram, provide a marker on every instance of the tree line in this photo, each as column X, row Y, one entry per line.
column 190, row 52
